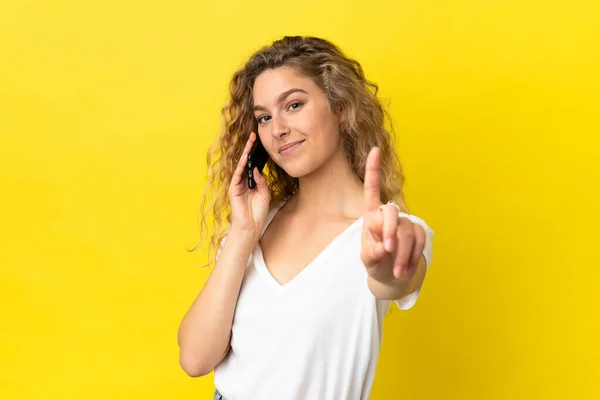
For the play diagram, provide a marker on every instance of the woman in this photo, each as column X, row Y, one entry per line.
column 312, row 258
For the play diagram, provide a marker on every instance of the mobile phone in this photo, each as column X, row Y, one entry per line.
column 257, row 157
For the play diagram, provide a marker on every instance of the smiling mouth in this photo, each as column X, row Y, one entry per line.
column 287, row 147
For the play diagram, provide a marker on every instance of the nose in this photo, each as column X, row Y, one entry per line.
column 279, row 127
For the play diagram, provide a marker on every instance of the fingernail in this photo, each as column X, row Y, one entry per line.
column 397, row 271
column 389, row 243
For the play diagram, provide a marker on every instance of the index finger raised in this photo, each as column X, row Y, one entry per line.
column 371, row 182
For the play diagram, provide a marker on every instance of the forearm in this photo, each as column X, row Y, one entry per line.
column 205, row 330
column 395, row 289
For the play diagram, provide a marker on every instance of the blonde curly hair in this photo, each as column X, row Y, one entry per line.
column 366, row 124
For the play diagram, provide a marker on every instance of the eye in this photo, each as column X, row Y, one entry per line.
column 295, row 105
column 261, row 119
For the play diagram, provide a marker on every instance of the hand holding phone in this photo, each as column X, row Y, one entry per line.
column 249, row 208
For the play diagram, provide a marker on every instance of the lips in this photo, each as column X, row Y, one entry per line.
column 289, row 145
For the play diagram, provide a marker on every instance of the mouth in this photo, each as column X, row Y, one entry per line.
column 289, row 147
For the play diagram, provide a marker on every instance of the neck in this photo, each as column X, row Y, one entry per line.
column 333, row 189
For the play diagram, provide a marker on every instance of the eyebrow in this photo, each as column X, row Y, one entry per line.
column 281, row 97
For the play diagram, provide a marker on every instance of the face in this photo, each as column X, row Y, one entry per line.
column 295, row 124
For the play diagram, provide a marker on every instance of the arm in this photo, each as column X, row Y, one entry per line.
column 205, row 330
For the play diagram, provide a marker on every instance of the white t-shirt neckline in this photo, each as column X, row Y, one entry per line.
column 261, row 266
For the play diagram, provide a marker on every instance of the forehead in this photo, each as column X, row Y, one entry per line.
column 272, row 82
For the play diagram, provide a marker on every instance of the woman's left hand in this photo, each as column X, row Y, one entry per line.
column 392, row 246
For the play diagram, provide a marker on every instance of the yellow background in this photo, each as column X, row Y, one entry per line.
column 106, row 112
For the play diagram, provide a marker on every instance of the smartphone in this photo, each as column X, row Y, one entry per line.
column 257, row 157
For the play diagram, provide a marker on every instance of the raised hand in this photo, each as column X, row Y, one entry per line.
column 249, row 208
column 391, row 245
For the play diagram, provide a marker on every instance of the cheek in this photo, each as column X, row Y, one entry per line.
column 322, row 129
column 267, row 142
column 328, row 135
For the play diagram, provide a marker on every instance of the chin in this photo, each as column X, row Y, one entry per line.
column 298, row 171
column 301, row 166
column 293, row 172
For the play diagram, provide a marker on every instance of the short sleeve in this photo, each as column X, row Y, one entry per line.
column 410, row 299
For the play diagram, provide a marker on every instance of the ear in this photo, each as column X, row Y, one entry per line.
column 341, row 114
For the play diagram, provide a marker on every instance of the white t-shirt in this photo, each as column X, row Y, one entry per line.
column 316, row 337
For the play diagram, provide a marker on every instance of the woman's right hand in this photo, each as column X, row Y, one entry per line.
column 249, row 208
